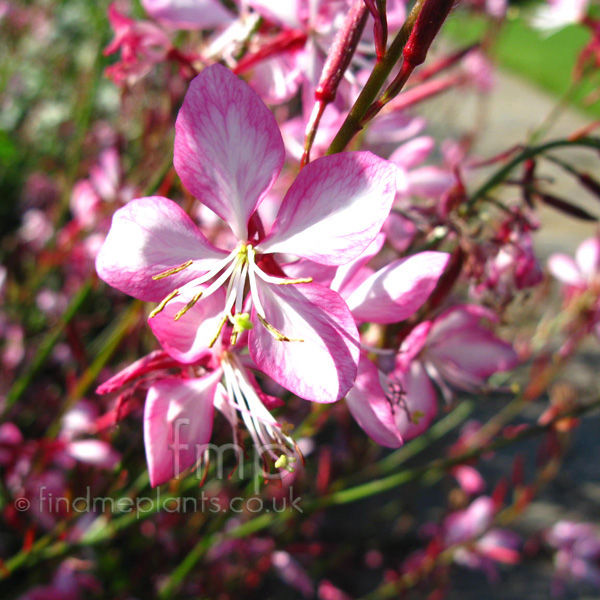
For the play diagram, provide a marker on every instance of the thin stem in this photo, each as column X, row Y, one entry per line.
column 504, row 172
column 353, row 123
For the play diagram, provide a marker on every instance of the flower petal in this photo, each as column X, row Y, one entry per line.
column 323, row 366
column 147, row 364
column 286, row 13
column 178, row 418
column 418, row 404
column 228, row 149
column 187, row 339
column 370, row 407
column 334, row 209
column 188, row 14
column 94, row 452
column 149, row 236
column 564, row 268
column 587, row 258
column 466, row 360
column 398, row 290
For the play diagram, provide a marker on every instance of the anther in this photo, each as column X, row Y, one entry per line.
column 172, row 271
column 280, row 337
column 220, row 328
column 293, row 281
column 163, row 303
column 188, row 306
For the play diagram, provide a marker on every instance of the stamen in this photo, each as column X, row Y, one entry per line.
column 221, row 325
column 172, row 271
column 163, row 303
column 281, row 280
column 280, row 337
column 188, row 306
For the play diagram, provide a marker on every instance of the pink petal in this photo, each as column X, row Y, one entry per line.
column 413, row 153
column 418, row 402
column 228, row 149
column 468, row 359
column 397, row 291
column 334, row 209
column 277, row 79
column 147, row 237
column 94, row 452
column 564, row 268
column 464, row 525
column 587, row 258
column 429, row 182
column 178, row 419
column 394, row 127
column 152, row 362
column 414, row 342
column 323, row 366
column 469, row 479
column 370, row 407
column 281, row 13
column 347, row 276
column 187, row 339
column 400, row 231
column 188, row 14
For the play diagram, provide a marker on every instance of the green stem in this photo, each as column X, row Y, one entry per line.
column 504, row 172
column 41, row 550
column 46, row 346
column 354, row 121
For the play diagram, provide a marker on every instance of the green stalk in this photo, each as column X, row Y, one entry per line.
column 353, row 123
column 46, row 346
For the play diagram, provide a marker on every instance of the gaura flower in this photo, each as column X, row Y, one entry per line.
column 181, row 398
column 228, row 153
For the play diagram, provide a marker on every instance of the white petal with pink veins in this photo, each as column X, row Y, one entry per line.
column 399, row 289
column 323, row 366
column 228, row 149
column 178, row 419
column 334, row 209
column 147, row 237
column 187, row 339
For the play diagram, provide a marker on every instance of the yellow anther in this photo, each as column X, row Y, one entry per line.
column 163, row 303
column 188, row 306
column 172, row 271
column 280, row 337
column 294, row 281
column 216, row 337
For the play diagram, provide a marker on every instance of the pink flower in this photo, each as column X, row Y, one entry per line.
column 457, row 349
column 379, row 402
column 181, row 398
column 228, row 153
column 577, row 552
column 581, row 273
column 142, row 45
column 484, row 546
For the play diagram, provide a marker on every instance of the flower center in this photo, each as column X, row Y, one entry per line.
column 237, row 269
